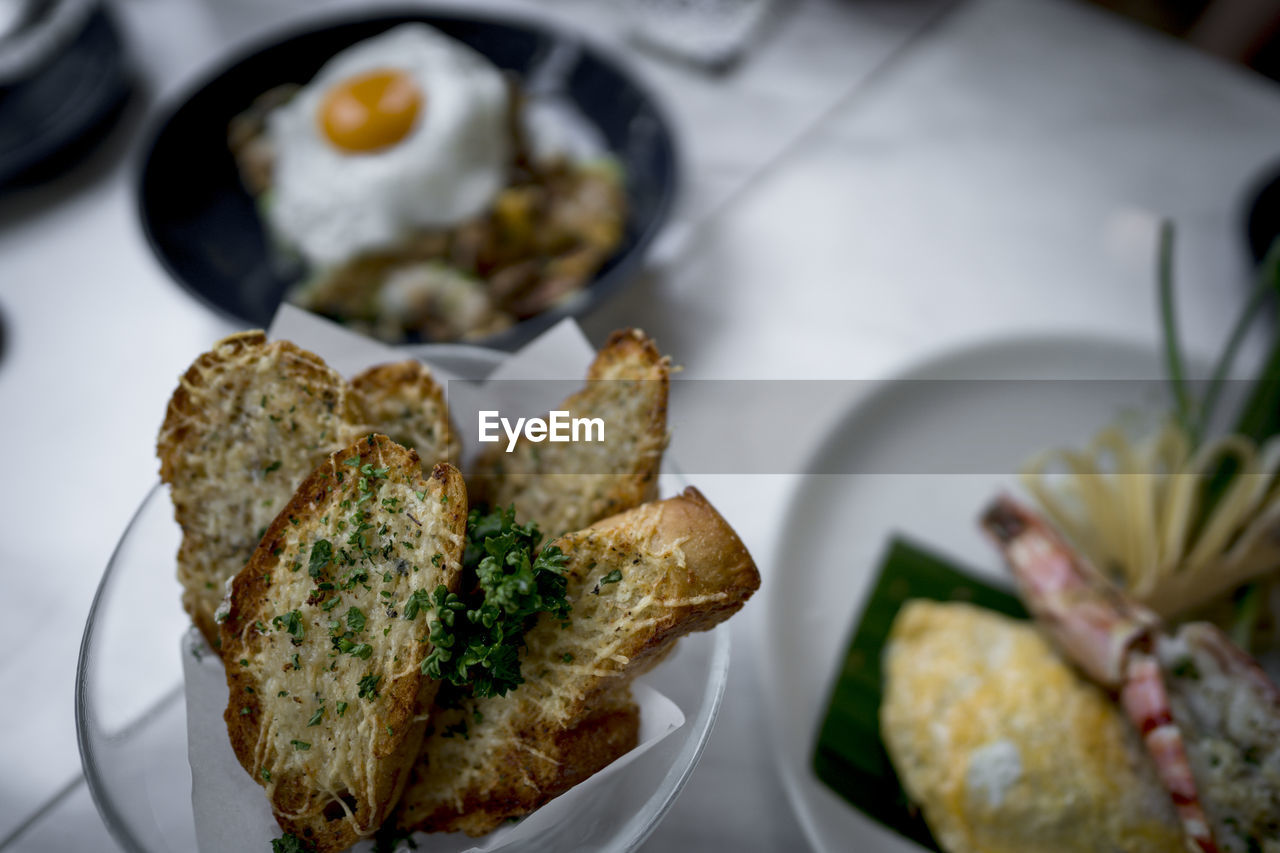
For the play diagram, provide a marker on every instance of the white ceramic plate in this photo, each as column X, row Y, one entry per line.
column 899, row 437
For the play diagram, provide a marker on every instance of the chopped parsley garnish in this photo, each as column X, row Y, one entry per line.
column 290, row 843
column 417, row 601
column 292, row 623
column 342, row 708
column 321, row 556
column 355, row 620
column 316, row 717
column 300, row 745
column 266, row 775
column 369, row 687
column 360, row 650
column 272, row 467
column 476, row 638
column 613, row 577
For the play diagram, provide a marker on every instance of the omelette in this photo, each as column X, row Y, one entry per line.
column 1006, row 749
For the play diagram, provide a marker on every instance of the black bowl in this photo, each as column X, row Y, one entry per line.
column 1262, row 218
column 204, row 226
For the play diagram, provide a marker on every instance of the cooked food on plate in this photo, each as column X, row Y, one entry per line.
column 627, row 386
column 1005, row 748
column 401, row 656
column 404, row 177
column 636, row 583
column 1097, row 727
column 1208, row 715
column 249, row 420
column 1128, row 714
column 325, row 677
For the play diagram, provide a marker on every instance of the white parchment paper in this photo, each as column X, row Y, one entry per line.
column 231, row 811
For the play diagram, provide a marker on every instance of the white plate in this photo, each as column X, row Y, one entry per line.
column 838, row 526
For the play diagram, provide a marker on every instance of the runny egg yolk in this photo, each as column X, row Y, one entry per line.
column 370, row 111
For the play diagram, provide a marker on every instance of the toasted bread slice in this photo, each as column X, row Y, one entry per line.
column 568, row 486
column 637, row 582
column 404, row 401
column 327, row 700
column 549, row 760
column 248, row 421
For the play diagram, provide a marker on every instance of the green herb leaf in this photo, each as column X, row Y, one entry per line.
column 300, row 745
column 355, row 620
column 292, row 623
column 1169, row 320
column 290, row 843
column 316, row 717
column 613, row 577
column 321, row 556
column 417, row 601
column 476, row 638
column 369, row 687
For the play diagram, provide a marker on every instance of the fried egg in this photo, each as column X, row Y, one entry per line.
column 402, row 131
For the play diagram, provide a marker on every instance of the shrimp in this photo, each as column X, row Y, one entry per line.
column 1207, row 714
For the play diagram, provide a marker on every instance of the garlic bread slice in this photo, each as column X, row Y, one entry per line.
column 404, row 402
column 567, row 486
column 637, row 582
column 248, row 421
column 324, row 636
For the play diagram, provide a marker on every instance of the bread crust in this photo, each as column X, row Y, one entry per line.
column 564, row 487
column 679, row 567
column 404, row 401
column 551, row 760
column 248, row 420
column 363, row 751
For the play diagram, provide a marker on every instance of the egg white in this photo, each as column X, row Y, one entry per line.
column 331, row 204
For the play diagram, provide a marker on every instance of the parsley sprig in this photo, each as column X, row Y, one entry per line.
column 290, row 843
column 477, row 636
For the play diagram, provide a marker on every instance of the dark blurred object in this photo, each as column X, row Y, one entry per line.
column 62, row 97
column 205, row 229
column 1245, row 31
column 1263, row 219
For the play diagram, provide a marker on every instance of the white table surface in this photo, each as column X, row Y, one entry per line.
column 880, row 181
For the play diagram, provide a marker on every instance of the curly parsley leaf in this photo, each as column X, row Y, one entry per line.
column 476, row 638
column 290, row 843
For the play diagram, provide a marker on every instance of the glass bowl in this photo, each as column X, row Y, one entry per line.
column 131, row 708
